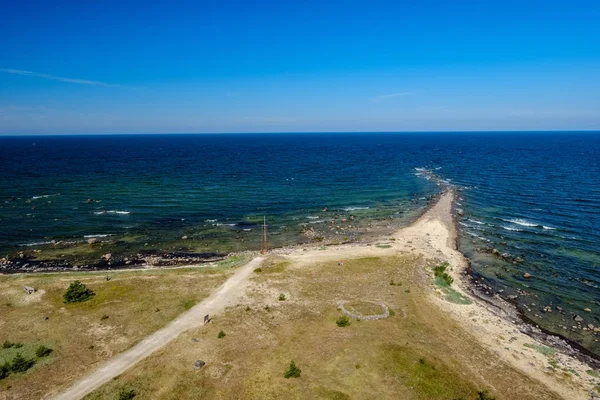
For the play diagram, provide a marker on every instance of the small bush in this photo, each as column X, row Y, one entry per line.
column 293, row 371
column 4, row 370
column 267, row 308
column 440, row 272
column 18, row 345
column 221, row 334
column 484, row 396
column 258, row 270
column 7, row 344
column 318, row 239
column 248, row 308
column 77, row 292
column 342, row 321
column 187, row 304
column 282, row 297
column 103, row 317
column 42, row 351
column 126, row 394
column 21, row 364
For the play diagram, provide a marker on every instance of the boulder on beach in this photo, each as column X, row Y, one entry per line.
column 92, row 240
column 577, row 318
column 184, row 237
column 199, row 364
column 107, row 256
column 587, row 310
column 526, row 275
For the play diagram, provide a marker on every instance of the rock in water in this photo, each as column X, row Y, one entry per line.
column 526, row 275
column 578, row 319
column 587, row 310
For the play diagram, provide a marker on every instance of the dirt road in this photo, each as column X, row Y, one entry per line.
column 231, row 290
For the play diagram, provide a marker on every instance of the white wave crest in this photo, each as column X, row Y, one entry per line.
column 354, row 208
column 96, row 236
column 508, row 228
column 522, row 222
column 117, row 212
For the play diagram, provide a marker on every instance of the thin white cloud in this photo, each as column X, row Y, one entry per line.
column 57, row 78
column 383, row 97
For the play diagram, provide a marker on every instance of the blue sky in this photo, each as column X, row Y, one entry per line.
column 227, row 66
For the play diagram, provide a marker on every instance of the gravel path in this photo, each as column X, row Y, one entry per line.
column 230, row 291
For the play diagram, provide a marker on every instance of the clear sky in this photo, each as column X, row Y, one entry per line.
column 279, row 66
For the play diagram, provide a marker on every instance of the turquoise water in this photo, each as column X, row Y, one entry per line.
column 535, row 196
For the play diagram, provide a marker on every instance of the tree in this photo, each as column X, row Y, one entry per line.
column 293, row 371
column 21, row 364
column 42, row 351
column 77, row 292
column 4, row 370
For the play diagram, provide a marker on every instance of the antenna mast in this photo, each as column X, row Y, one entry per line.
column 264, row 239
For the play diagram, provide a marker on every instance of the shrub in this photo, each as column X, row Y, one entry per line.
column 342, row 321
column 18, row 345
column 484, row 396
column 4, row 370
column 221, row 334
column 77, row 292
column 440, row 272
column 21, row 364
column 258, row 270
column 281, row 297
column 103, row 317
column 126, row 394
column 7, row 344
column 293, row 371
column 42, row 351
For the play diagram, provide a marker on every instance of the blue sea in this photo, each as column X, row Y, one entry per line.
column 532, row 195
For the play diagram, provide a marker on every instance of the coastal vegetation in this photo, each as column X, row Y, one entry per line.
column 77, row 292
column 75, row 335
column 421, row 353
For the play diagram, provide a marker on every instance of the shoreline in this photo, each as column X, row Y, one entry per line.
column 491, row 320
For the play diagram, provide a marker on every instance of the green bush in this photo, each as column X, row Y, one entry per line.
column 484, row 396
column 4, row 370
column 21, row 364
column 281, row 297
column 42, row 351
column 258, row 270
column 440, row 272
column 342, row 321
column 293, row 371
column 126, row 394
column 77, row 292
column 7, row 344
column 221, row 334
column 103, row 317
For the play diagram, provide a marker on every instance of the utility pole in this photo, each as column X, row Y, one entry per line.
column 264, row 239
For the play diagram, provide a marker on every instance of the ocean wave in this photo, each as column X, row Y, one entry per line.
column 354, row 208
column 508, row 228
column 34, row 244
column 210, row 220
column 117, row 212
column 44, row 196
column 312, row 217
column 548, row 227
column 97, row 236
column 475, row 221
column 478, row 237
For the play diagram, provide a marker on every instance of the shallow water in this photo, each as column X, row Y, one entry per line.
column 533, row 195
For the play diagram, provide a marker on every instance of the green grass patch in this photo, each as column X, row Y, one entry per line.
column 342, row 321
column 429, row 378
column 383, row 246
column 547, row 351
column 451, row 295
column 187, row 304
column 593, row 373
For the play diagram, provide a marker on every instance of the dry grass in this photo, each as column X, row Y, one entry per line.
column 419, row 353
column 137, row 303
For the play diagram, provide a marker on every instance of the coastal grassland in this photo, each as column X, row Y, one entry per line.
column 131, row 305
column 416, row 353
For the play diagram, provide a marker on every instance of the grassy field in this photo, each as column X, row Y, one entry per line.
column 417, row 353
column 124, row 310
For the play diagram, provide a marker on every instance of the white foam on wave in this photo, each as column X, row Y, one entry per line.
column 35, row 244
column 508, row 228
column 478, row 237
column 116, row 212
column 210, row 220
column 548, row 227
column 97, row 236
column 354, row 208
column 312, row 217
column 475, row 221
column 522, row 222
column 44, row 196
